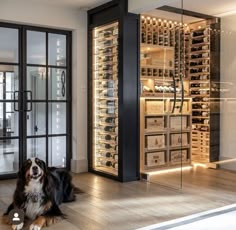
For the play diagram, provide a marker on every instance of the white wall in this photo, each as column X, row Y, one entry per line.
column 228, row 74
column 26, row 12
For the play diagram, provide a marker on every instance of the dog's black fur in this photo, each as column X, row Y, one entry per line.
column 55, row 187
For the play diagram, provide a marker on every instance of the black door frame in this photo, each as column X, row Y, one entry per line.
column 23, row 101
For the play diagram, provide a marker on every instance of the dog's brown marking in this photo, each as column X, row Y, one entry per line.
column 40, row 221
column 52, row 220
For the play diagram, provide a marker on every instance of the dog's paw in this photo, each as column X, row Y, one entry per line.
column 34, row 227
column 17, row 227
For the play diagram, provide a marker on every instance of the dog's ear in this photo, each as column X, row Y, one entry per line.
column 44, row 166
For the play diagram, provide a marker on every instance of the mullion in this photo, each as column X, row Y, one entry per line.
column 47, row 98
column 49, row 135
column 10, row 63
column 44, row 66
column 9, row 138
column 68, row 101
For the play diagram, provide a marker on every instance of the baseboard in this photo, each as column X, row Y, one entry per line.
column 79, row 166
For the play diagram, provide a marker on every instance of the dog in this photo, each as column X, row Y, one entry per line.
column 39, row 192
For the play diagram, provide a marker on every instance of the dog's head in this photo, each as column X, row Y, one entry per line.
column 33, row 169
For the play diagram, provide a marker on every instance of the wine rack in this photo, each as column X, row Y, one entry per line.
column 199, row 74
column 162, row 57
column 105, row 95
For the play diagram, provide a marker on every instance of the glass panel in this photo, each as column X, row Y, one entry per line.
column 57, row 151
column 9, row 156
column 36, row 48
column 9, row 120
column 105, row 98
column 57, row 49
column 164, row 147
column 9, row 45
column 57, row 118
column 57, row 84
column 36, row 119
column 36, row 82
column 36, row 147
column 9, row 82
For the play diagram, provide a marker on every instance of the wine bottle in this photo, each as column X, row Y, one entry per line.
column 109, row 120
column 107, row 33
column 147, row 89
column 196, row 106
column 109, row 93
column 196, row 99
column 196, row 113
column 143, row 37
column 115, row 165
column 108, row 137
column 195, row 85
column 105, row 154
column 193, row 92
column 115, row 157
column 104, row 163
column 111, row 129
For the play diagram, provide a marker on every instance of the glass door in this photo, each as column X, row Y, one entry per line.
column 46, row 96
column 34, row 97
column 165, row 109
column 9, row 100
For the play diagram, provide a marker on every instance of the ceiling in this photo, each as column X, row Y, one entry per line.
column 210, row 7
column 80, row 4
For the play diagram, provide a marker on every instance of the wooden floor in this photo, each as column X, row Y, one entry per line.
column 107, row 204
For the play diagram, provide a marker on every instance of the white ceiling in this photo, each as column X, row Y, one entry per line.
column 80, row 4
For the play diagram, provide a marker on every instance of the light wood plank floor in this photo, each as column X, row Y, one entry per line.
column 107, row 204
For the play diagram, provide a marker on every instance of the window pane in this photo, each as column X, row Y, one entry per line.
column 36, row 82
column 57, row 151
column 36, row 119
column 57, row 118
column 36, row 147
column 8, row 45
column 57, row 84
column 9, row 82
column 36, row 47
column 9, row 156
column 57, row 49
column 9, row 120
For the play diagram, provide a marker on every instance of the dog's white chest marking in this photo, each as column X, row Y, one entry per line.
column 34, row 194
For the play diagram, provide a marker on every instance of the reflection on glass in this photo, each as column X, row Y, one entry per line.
column 8, row 45
column 9, row 156
column 36, row 147
column 9, row 120
column 57, row 49
column 57, row 84
column 57, row 118
column 36, row 119
column 8, row 82
column 36, row 47
column 57, row 151
column 36, row 82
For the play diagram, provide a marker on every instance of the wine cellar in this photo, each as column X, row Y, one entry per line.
column 179, row 106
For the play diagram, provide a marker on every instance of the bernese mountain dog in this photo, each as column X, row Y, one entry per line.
column 39, row 192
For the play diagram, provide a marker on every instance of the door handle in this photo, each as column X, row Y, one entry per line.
column 14, row 97
column 174, row 86
column 182, row 93
column 30, row 100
